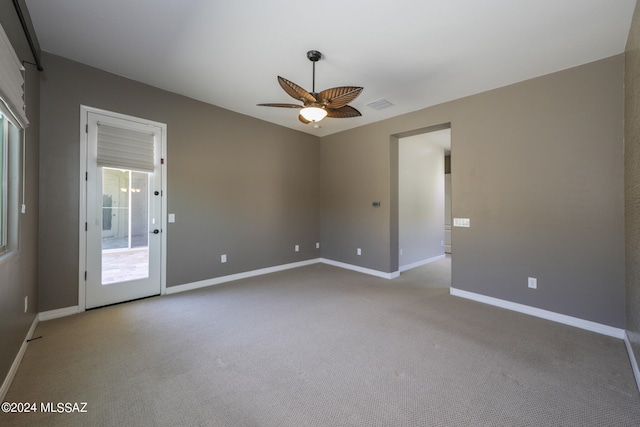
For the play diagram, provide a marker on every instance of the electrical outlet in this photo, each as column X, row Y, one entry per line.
column 359, row 251
column 26, row 304
column 297, row 248
column 401, row 252
column 317, row 245
column 533, row 283
column 223, row 258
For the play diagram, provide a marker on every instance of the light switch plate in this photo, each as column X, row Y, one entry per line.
column 172, row 217
column 461, row 222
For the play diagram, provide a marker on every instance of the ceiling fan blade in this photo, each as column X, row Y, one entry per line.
column 295, row 91
column 280, row 105
column 338, row 97
column 343, row 112
column 303, row 120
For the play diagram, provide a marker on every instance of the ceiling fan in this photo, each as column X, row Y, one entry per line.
column 316, row 106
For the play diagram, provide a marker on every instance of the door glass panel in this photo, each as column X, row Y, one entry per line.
column 125, row 225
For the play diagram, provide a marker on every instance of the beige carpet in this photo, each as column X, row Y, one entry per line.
column 322, row 346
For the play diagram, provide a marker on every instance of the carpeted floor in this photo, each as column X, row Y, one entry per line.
column 322, row 346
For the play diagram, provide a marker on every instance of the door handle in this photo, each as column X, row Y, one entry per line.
column 156, row 231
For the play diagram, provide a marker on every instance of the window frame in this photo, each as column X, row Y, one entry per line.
column 11, row 181
column 4, row 180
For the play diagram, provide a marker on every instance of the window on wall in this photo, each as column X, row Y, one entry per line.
column 10, row 157
column 13, row 121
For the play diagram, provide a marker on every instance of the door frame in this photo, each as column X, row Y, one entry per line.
column 82, row 223
column 394, row 147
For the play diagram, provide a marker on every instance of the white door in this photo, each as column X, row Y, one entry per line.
column 123, row 208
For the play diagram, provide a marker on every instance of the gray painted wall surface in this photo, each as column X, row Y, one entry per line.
column 538, row 170
column 237, row 185
column 18, row 271
column 632, row 182
column 420, row 200
column 354, row 174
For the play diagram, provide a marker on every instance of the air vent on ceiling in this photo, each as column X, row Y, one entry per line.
column 379, row 104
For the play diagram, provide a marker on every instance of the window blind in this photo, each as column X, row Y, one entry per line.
column 11, row 83
column 125, row 148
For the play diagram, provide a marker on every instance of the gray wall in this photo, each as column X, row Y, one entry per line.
column 538, row 170
column 18, row 271
column 632, row 182
column 355, row 173
column 237, row 185
column 420, row 200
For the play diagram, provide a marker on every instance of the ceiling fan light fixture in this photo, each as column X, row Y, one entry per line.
column 313, row 114
column 316, row 106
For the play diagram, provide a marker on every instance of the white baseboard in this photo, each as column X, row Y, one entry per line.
column 67, row 311
column 544, row 314
column 369, row 271
column 16, row 362
column 232, row 277
column 40, row 317
column 632, row 358
column 224, row 279
column 61, row 312
column 421, row 263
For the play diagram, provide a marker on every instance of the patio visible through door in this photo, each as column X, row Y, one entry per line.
column 123, row 208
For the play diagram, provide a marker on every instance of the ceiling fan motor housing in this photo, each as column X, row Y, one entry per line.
column 314, row 55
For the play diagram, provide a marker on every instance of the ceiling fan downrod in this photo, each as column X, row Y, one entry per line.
column 314, row 56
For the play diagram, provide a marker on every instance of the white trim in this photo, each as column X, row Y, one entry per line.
column 544, row 314
column 359, row 269
column 244, row 275
column 421, row 263
column 224, row 279
column 163, row 208
column 16, row 362
column 82, row 209
column 60, row 312
column 632, row 358
column 82, row 261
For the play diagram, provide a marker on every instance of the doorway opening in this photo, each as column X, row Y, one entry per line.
column 424, row 202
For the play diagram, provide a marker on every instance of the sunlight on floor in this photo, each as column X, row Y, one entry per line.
column 124, row 265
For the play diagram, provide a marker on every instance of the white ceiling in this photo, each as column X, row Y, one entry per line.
column 414, row 53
